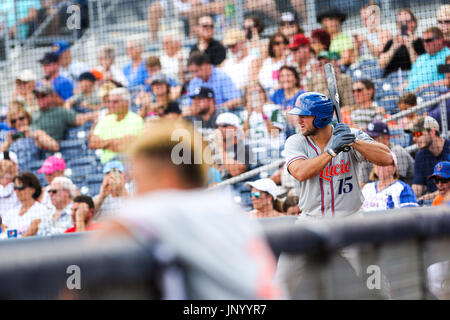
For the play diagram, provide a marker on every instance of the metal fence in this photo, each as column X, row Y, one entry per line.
column 401, row 245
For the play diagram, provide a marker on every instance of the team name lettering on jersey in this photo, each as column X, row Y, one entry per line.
column 330, row 171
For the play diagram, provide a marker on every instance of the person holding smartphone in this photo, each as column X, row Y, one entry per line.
column 23, row 140
column 403, row 50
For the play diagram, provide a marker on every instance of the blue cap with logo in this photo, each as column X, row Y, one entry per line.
column 113, row 165
column 377, row 128
column 442, row 170
column 60, row 46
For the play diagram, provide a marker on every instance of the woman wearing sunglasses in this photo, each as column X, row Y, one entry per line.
column 24, row 219
column 264, row 199
column 366, row 110
column 22, row 140
column 387, row 191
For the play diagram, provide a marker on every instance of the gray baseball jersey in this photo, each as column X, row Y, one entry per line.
column 336, row 191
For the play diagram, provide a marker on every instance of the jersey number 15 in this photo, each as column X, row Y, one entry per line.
column 345, row 186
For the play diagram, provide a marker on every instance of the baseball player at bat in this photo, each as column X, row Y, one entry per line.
column 327, row 181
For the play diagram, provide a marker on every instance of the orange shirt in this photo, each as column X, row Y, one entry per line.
column 438, row 200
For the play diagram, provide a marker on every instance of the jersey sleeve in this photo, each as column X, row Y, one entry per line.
column 407, row 197
column 362, row 136
column 293, row 150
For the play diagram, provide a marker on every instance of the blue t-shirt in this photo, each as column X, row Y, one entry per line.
column 435, row 112
column 62, row 86
column 424, row 166
column 424, row 70
column 219, row 82
column 136, row 77
column 279, row 98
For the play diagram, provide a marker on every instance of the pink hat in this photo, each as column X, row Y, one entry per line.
column 52, row 164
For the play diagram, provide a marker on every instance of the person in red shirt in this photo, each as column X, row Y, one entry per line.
column 441, row 177
column 82, row 212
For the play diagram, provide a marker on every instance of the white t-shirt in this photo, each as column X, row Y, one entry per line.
column 73, row 70
column 268, row 74
column 171, row 66
column 116, row 73
column 398, row 195
column 223, row 250
column 22, row 223
column 238, row 71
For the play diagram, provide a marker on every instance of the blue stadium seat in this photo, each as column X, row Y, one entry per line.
column 94, row 189
column 388, row 99
column 431, row 93
column 398, row 136
column 95, row 178
column 88, row 160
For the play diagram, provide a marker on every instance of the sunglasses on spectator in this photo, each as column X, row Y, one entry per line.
column 13, row 121
column 406, row 21
column 224, row 125
column 53, row 191
column 277, row 43
column 290, row 23
column 40, row 95
column 358, row 90
column 443, row 21
column 256, row 194
column 429, row 40
column 207, row 26
column 232, row 46
column 440, row 180
column 417, row 134
column 20, row 188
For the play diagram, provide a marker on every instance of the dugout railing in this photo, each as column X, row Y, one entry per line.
column 401, row 245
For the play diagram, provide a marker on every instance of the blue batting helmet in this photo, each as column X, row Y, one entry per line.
column 314, row 104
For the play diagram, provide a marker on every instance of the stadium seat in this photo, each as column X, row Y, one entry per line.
column 398, row 136
column 88, row 160
column 430, row 93
column 388, row 99
column 95, row 178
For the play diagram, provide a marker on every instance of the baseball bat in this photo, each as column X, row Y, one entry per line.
column 330, row 77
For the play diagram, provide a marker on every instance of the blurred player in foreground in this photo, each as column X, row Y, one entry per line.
column 327, row 181
column 224, row 254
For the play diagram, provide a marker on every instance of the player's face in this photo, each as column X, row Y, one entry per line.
column 306, row 125
column 443, row 185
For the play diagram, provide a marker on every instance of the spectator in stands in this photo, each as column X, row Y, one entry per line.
column 158, row 103
column 135, row 71
column 23, row 140
column 25, row 84
column 432, row 149
column 320, row 41
column 53, row 167
column 269, row 72
column 387, row 192
column 262, row 119
column 424, row 70
column 331, row 20
column 62, row 85
column 112, row 191
column 402, row 51
column 366, row 110
column 237, row 65
column 226, row 95
column 318, row 82
column 289, row 90
column 443, row 19
column 8, row 170
column 20, row 16
column 256, row 46
column 53, row 119
column 82, row 215
column 114, row 132
column 103, row 94
column 68, row 67
column 86, row 96
column 235, row 155
column 174, row 56
column 407, row 101
column 264, row 199
column 289, row 26
column 203, row 108
column 302, row 58
column 166, row 207
column 206, row 44
column 187, row 10
column 154, row 68
column 371, row 42
column 441, row 176
column 290, row 206
column 26, row 217
column 106, row 66
column 379, row 131
column 62, row 192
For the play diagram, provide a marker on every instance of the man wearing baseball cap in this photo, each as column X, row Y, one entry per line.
column 62, row 85
column 441, row 176
column 87, row 97
column 302, row 57
column 52, row 167
column 433, row 149
column 237, row 64
column 25, row 84
column 235, row 155
column 203, row 108
column 379, row 131
column 69, row 68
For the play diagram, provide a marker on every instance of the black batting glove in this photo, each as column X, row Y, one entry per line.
column 341, row 128
column 340, row 143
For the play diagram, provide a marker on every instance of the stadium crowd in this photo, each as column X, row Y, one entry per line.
column 69, row 130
